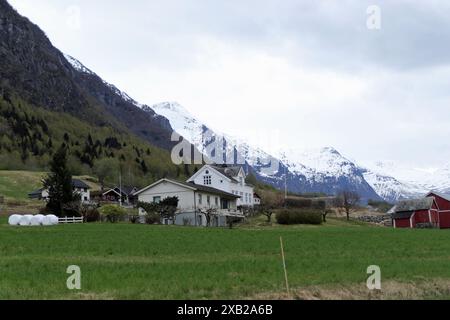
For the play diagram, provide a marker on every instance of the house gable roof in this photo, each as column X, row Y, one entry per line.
column 191, row 186
column 77, row 183
column 228, row 171
column 210, row 168
column 111, row 190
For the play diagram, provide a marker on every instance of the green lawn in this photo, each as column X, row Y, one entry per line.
column 159, row 262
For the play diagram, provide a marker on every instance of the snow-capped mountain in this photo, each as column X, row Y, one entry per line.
column 317, row 170
column 314, row 170
column 409, row 182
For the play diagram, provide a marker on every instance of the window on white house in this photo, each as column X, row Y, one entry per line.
column 156, row 199
column 207, row 180
column 208, row 200
column 217, row 201
column 200, row 200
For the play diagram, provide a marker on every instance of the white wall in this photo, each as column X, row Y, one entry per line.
column 85, row 195
column 168, row 189
column 220, row 182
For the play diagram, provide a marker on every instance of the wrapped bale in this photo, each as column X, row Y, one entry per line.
column 14, row 220
column 54, row 219
column 36, row 220
column 47, row 221
column 25, row 220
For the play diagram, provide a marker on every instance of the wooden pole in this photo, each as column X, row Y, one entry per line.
column 284, row 267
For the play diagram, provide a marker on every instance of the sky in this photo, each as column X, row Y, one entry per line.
column 372, row 82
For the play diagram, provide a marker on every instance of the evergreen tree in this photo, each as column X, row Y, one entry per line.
column 59, row 182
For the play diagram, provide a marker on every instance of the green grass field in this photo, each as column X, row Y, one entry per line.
column 126, row 261
column 17, row 184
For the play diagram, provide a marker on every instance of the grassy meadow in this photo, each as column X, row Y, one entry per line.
column 125, row 261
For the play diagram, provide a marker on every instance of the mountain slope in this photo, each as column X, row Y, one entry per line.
column 323, row 170
column 40, row 74
column 48, row 99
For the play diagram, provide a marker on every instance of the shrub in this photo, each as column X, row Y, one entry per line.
column 91, row 214
column 299, row 217
column 112, row 213
column 133, row 218
column 305, row 203
column 152, row 218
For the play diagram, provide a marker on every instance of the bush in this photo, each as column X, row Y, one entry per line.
column 299, row 217
column 133, row 218
column 305, row 203
column 112, row 213
column 91, row 214
column 152, row 218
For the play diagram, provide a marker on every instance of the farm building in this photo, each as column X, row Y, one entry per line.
column 113, row 194
column 78, row 187
column 194, row 201
column 431, row 211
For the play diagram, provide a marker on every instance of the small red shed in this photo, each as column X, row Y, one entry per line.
column 433, row 210
column 416, row 213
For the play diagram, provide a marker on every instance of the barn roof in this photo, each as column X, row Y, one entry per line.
column 414, row 205
column 442, row 195
column 405, row 208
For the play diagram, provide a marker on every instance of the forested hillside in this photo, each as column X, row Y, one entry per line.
column 29, row 136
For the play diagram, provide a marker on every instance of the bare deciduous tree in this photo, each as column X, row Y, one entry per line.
column 269, row 202
column 347, row 201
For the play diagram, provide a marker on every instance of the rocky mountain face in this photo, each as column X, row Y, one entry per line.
column 32, row 68
column 323, row 170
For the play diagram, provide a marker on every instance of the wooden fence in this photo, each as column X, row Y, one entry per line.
column 71, row 220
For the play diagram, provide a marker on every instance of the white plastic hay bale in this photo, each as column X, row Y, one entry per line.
column 36, row 220
column 47, row 221
column 40, row 217
column 54, row 219
column 25, row 220
column 14, row 220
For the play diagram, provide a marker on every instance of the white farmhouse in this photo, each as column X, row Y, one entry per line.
column 79, row 187
column 230, row 179
column 193, row 202
column 214, row 193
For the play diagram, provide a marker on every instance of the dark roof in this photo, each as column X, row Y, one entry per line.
column 442, row 195
column 194, row 186
column 211, row 190
column 414, row 205
column 76, row 183
column 228, row 171
column 36, row 192
column 126, row 190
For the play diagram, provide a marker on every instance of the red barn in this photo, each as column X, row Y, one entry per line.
column 431, row 211
column 443, row 206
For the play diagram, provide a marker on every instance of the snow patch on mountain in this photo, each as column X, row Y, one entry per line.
column 77, row 65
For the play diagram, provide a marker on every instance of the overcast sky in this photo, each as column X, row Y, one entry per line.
column 311, row 72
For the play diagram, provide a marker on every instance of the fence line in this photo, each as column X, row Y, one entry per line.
column 71, row 220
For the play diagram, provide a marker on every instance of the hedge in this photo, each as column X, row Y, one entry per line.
column 299, row 217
